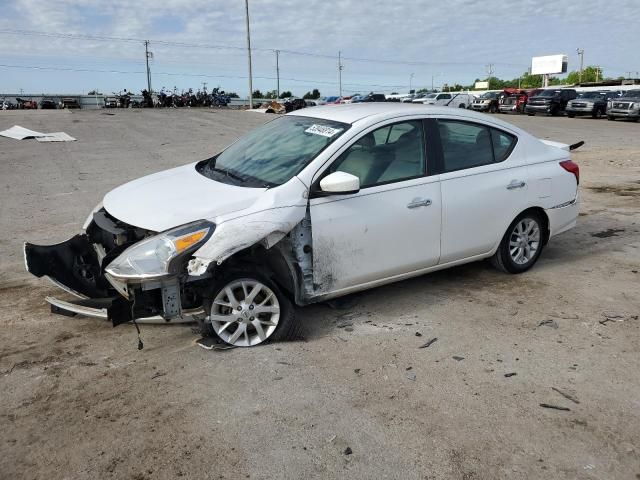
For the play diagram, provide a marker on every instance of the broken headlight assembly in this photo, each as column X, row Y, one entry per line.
column 157, row 256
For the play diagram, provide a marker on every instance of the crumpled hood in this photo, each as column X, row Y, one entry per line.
column 174, row 197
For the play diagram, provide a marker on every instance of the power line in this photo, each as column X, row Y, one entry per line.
column 75, row 36
column 203, row 75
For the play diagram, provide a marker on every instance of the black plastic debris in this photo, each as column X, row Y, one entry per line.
column 511, row 374
column 429, row 343
column 566, row 395
column 555, row 407
column 348, row 451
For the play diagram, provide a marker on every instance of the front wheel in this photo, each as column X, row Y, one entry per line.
column 521, row 245
column 610, row 118
column 597, row 113
column 245, row 309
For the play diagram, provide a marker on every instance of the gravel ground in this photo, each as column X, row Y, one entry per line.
column 355, row 397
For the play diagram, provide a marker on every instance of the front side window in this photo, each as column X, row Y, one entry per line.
column 468, row 145
column 273, row 153
column 389, row 154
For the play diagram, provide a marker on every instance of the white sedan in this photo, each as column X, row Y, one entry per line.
column 314, row 205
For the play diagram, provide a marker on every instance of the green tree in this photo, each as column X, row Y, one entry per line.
column 258, row 94
column 589, row 74
column 233, row 95
column 271, row 94
column 286, row 94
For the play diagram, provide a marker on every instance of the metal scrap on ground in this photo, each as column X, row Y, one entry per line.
column 20, row 133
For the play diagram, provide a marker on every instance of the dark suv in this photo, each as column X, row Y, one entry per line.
column 372, row 97
column 590, row 103
column 550, row 101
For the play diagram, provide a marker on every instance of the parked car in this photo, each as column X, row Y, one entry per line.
column 26, row 104
column 552, row 101
column 514, row 100
column 326, row 100
column 276, row 219
column 110, row 102
column 627, row 106
column 48, row 104
column 292, row 103
column 419, row 97
column 487, row 102
column 6, row 105
column 409, row 98
column 436, row 98
column 590, row 103
column 371, row 97
column 69, row 103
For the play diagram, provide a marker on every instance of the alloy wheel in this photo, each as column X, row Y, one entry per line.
column 244, row 313
column 524, row 241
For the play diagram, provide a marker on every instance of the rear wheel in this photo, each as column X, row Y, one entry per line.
column 493, row 108
column 571, row 115
column 597, row 113
column 610, row 118
column 245, row 309
column 521, row 245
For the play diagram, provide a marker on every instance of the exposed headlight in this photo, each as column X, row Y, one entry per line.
column 153, row 256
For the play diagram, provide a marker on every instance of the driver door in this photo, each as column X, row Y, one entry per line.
column 392, row 225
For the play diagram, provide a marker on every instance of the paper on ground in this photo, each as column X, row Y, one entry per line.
column 56, row 137
column 21, row 133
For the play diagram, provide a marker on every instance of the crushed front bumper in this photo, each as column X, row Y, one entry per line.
column 75, row 267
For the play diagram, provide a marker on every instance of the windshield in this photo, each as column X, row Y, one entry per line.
column 592, row 95
column 273, row 153
column 488, row 95
column 632, row 94
column 548, row 93
column 431, row 95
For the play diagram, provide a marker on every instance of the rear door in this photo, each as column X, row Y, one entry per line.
column 483, row 185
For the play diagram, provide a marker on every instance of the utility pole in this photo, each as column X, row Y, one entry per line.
column 340, row 67
column 581, row 53
column 278, row 71
column 148, row 55
column 490, row 71
column 410, row 81
column 246, row 6
column 597, row 74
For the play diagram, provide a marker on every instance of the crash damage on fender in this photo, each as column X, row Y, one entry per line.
column 115, row 270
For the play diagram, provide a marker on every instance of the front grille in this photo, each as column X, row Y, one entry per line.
column 623, row 105
column 579, row 105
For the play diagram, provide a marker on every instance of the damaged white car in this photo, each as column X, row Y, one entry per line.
column 311, row 206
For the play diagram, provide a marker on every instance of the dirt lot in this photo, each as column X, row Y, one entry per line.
column 79, row 401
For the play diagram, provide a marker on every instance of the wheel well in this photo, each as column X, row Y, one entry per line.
column 270, row 263
column 545, row 219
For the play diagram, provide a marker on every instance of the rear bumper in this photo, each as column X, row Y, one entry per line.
column 538, row 108
column 563, row 217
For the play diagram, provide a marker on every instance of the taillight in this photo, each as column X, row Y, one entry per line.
column 571, row 167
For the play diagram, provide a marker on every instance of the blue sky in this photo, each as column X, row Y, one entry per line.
column 443, row 42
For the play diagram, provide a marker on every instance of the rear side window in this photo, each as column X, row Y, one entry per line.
column 503, row 143
column 468, row 145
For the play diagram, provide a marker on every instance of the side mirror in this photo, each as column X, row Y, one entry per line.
column 340, row 183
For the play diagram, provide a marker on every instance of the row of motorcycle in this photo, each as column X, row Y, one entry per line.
column 169, row 99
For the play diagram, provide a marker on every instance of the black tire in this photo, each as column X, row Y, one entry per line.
column 597, row 113
column 571, row 115
column 462, row 105
column 493, row 108
column 502, row 258
column 287, row 328
column 531, row 114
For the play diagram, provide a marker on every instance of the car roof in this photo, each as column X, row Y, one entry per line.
column 353, row 112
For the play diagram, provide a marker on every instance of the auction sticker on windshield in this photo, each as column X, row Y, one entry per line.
column 323, row 130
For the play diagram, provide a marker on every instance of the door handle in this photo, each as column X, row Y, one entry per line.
column 419, row 202
column 515, row 184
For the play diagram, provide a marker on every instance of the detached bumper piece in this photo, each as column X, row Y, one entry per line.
column 73, row 265
column 103, row 308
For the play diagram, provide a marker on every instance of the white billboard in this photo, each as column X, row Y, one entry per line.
column 482, row 85
column 549, row 64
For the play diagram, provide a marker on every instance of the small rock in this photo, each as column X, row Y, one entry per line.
column 411, row 376
column 418, row 334
column 457, row 358
column 356, row 370
column 548, row 323
column 348, row 329
column 348, row 451
column 511, row 374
